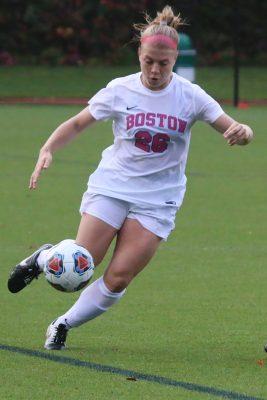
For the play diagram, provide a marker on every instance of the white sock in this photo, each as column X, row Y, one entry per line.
column 93, row 301
column 42, row 258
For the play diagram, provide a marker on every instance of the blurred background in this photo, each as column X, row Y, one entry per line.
column 99, row 34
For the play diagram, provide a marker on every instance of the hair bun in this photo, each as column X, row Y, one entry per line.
column 166, row 23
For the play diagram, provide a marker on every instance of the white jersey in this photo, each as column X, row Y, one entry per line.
column 146, row 163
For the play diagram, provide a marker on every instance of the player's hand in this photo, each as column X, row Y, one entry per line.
column 237, row 134
column 44, row 161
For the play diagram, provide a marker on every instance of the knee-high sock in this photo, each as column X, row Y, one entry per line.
column 93, row 301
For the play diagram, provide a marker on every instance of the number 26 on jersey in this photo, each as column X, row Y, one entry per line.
column 146, row 142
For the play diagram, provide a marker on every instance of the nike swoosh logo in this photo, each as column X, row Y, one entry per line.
column 129, row 108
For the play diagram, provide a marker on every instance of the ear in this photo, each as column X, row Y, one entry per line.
column 139, row 51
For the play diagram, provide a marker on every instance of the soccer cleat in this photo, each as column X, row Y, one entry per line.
column 26, row 271
column 56, row 336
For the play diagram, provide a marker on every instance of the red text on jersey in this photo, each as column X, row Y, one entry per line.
column 152, row 119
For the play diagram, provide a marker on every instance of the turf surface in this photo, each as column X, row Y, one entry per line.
column 197, row 314
column 85, row 81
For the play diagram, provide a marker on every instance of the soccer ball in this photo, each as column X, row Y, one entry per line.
column 68, row 267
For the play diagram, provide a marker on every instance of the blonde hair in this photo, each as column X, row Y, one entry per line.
column 165, row 23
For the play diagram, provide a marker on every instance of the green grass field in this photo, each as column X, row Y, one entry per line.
column 197, row 314
column 85, row 81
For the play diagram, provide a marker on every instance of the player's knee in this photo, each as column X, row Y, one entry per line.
column 117, row 281
column 118, row 284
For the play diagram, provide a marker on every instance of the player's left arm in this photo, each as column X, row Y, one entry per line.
column 234, row 132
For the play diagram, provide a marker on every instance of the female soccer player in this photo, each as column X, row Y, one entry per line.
column 140, row 182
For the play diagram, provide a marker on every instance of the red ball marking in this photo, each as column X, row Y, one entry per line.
column 54, row 264
column 82, row 263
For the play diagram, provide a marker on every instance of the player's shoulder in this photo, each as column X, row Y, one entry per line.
column 185, row 83
column 128, row 80
column 189, row 88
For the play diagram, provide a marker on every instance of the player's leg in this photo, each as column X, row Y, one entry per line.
column 109, row 213
column 137, row 242
column 134, row 248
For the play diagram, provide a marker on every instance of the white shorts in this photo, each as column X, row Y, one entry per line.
column 158, row 220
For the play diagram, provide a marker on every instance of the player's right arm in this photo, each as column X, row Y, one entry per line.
column 66, row 132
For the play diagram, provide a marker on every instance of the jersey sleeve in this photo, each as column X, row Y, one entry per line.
column 101, row 105
column 206, row 108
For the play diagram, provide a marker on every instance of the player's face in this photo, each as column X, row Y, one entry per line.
column 156, row 65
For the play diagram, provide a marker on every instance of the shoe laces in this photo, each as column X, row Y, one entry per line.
column 61, row 334
column 32, row 273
